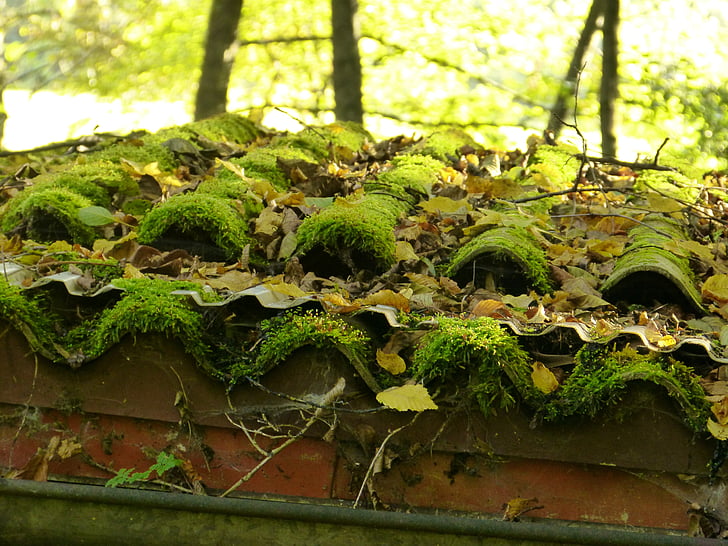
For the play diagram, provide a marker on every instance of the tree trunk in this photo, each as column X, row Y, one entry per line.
column 347, row 64
column 609, row 88
column 220, row 49
column 558, row 112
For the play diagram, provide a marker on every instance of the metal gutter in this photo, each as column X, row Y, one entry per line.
column 59, row 513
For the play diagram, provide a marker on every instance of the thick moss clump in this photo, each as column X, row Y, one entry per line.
column 262, row 163
column 483, row 354
column 203, row 219
column 147, row 306
column 82, row 185
column 357, row 231
column 503, row 245
column 230, row 188
column 554, row 168
column 601, row 376
column 230, row 127
column 50, row 215
column 144, row 150
column 413, row 174
column 320, row 142
column 444, row 145
column 669, row 184
column 286, row 333
column 31, row 319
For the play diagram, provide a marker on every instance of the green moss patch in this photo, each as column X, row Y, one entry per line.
column 647, row 271
column 601, row 376
column 188, row 218
column 28, row 317
column 554, row 168
column 286, row 333
column 147, row 306
column 481, row 354
column 230, row 127
column 50, row 215
column 444, row 145
column 503, row 244
column 359, row 231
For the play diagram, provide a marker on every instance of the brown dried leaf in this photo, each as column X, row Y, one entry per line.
column 518, row 506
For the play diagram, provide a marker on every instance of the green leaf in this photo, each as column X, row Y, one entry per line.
column 95, row 216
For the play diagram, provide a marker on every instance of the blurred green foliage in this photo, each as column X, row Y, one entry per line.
column 469, row 63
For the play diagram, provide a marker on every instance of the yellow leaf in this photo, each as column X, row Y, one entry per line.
column 444, row 204
column 666, row 341
column 391, row 362
column 716, row 288
column 717, row 430
column 131, row 272
column 291, row 198
column 152, row 169
column 543, row 378
column 286, row 289
column 407, row 398
column 387, row 297
column 403, row 251
column 720, row 410
column 169, row 180
column 603, row 329
column 660, row 203
column 336, row 303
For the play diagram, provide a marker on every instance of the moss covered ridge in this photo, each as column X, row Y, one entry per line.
column 478, row 355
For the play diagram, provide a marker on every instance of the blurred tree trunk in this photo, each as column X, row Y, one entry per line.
column 347, row 63
column 558, row 112
column 220, row 49
column 609, row 89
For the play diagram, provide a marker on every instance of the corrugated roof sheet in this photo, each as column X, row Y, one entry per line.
column 208, row 231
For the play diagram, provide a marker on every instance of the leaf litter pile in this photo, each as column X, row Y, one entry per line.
column 570, row 257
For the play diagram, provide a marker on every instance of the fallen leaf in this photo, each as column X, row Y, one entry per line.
column 391, row 362
column 543, row 378
column 491, row 308
column 403, row 251
column 286, row 289
column 336, row 303
column 131, row 272
column 666, row 341
column 716, row 288
column 407, row 398
column 519, row 506
column 720, row 410
column 388, row 297
column 717, row 430
column 444, row 205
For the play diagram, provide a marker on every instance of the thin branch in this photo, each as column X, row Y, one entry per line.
column 555, row 193
column 283, row 40
column 630, row 164
column 309, row 402
column 336, row 392
column 377, row 457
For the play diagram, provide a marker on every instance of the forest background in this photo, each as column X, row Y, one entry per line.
column 496, row 69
